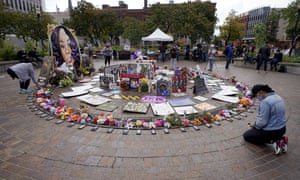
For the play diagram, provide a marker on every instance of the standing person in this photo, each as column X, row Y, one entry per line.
column 24, row 72
column 276, row 59
column 107, row 54
column 187, row 52
column 270, row 124
column 173, row 58
column 264, row 53
column 229, row 55
column 204, row 52
column 162, row 51
column 212, row 51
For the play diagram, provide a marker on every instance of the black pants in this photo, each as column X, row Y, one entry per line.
column 23, row 84
column 107, row 60
column 259, row 137
column 260, row 61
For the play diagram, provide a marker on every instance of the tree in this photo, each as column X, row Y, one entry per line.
column 232, row 30
column 291, row 14
column 195, row 20
column 94, row 23
column 5, row 23
column 272, row 25
column 133, row 30
column 260, row 34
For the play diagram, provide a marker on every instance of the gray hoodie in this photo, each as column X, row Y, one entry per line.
column 24, row 71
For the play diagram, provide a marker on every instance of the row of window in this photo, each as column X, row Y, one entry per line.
column 23, row 5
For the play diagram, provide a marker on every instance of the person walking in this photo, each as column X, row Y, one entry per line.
column 162, row 51
column 24, row 72
column 229, row 55
column 270, row 124
column 263, row 57
column 107, row 52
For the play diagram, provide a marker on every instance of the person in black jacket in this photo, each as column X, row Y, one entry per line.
column 263, row 58
column 276, row 59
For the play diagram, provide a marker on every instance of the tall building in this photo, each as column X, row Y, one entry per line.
column 23, row 5
column 255, row 16
column 260, row 15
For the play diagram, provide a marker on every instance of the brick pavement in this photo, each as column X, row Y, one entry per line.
column 33, row 148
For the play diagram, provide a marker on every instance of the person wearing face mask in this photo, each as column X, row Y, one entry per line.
column 270, row 124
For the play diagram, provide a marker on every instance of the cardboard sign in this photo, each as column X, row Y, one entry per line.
column 200, row 86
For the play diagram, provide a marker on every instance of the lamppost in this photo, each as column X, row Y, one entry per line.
column 38, row 15
column 295, row 31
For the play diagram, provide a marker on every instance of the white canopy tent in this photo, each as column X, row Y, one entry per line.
column 158, row 35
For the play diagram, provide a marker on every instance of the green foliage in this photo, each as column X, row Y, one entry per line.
column 272, row 25
column 260, row 31
column 97, row 24
column 292, row 59
column 232, row 29
column 195, row 20
column 133, row 30
column 290, row 14
column 26, row 26
column 7, row 51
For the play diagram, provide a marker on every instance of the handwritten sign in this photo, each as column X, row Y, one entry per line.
column 153, row 99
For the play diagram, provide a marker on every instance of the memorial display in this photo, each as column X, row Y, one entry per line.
column 139, row 86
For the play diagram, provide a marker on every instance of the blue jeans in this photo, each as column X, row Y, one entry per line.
column 204, row 56
column 228, row 61
column 163, row 57
column 211, row 63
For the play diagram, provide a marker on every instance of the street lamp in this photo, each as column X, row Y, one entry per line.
column 295, row 31
column 38, row 15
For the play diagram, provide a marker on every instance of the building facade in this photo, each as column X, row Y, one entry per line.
column 24, row 5
column 255, row 16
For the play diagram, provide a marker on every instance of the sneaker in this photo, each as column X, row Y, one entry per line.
column 22, row 91
column 285, row 145
column 277, row 145
column 27, row 90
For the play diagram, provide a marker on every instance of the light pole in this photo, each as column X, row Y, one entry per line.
column 295, row 31
column 38, row 15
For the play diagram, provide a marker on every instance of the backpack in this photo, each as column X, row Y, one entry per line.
column 282, row 68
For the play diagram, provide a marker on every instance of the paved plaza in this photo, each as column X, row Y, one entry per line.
column 33, row 148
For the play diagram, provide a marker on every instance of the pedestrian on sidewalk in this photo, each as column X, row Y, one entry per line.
column 270, row 124
column 24, row 72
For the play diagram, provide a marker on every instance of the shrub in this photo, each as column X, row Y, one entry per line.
column 7, row 51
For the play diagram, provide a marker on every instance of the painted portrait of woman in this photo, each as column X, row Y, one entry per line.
column 65, row 49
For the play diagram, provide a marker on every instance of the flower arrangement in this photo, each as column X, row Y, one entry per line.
column 144, row 85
